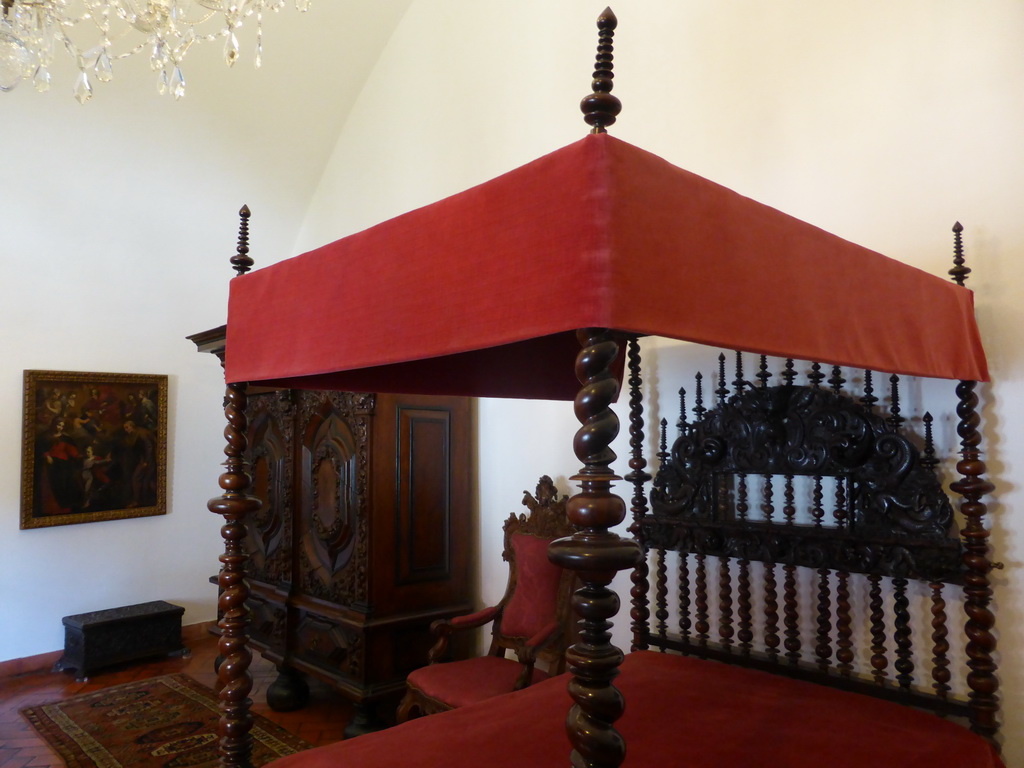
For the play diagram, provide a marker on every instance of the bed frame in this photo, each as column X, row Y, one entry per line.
column 750, row 438
column 728, row 494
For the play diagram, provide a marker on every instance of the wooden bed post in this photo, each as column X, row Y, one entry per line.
column 235, row 504
column 596, row 554
column 972, row 485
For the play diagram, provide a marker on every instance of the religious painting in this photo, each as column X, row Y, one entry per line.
column 94, row 447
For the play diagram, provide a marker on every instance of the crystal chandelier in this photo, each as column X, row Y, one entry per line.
column 99, row 33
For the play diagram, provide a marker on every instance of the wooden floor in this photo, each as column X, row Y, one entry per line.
column 320, row 722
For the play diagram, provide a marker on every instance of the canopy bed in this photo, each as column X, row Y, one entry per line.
column 611, row 240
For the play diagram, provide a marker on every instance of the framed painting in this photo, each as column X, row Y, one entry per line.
column 94, row 447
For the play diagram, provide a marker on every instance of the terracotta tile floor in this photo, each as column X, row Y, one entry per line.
column 319, row 722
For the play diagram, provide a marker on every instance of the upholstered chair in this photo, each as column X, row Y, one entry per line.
column 531, row 622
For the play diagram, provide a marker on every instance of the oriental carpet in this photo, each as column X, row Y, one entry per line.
column 162, row 722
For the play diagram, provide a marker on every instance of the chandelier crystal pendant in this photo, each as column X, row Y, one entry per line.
column 99, row 33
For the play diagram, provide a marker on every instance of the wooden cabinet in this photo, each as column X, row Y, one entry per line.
column 363, row 537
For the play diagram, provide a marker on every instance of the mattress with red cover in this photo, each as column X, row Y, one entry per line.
column 681, row 712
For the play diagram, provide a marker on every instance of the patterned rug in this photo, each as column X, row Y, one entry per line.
column 163, row 722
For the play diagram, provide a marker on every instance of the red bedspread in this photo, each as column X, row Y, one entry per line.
column 680, row 713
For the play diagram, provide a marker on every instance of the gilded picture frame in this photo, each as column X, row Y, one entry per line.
column 94, row 447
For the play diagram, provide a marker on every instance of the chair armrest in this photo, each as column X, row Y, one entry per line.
column 442, row 629
column 551, row 632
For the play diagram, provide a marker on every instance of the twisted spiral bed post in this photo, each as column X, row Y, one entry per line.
column 235, row 504
column 596, row 554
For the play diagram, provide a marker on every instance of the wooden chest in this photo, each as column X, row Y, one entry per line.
column 117, row 635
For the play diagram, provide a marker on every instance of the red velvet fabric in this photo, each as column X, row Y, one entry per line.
column 480, row 293
column 680, row 712
column 535, row 600
column 475, row 619
column 461, row 683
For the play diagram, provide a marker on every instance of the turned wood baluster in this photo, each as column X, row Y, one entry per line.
column 771, row 612
column 817, row 497
column 844, row 643
column 823, row 646
column 879, row 658
column 685, row 623
column 836, row 380
column 972, row 485
column 661, row 596
column 940, row 645
column 788, row 501
column 638, row 476
column 904, row 663
column 745, row 606
column 234, row 504
column 725, row 628
column 791, row 616
column 768, row 499
column 744, row 609
column 722, row 492
column 701, row 625
column 596, row 554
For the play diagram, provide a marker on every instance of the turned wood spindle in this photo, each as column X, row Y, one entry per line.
column 904, row 664
column 844, row 628
column 940, row 645
column 879, row 658
column 638, row 476
column 725, row 628
column 661, row 596
column 745, row 608
column 701, row 625
column 791, row 614
column 823, row 644
column 771, row 612
column 788, row 501
column 685, row 623
column 836, row 380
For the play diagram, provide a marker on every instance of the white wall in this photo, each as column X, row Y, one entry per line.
column 881, row 122
column 119, row 220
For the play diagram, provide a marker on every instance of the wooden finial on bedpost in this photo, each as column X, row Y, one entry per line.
column 596, row 554
column 960, row 271
column 600, row 107
column 241, row 262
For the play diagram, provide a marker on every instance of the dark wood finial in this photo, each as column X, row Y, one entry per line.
column 600, row 107
column 959, row 272
column 241, row 262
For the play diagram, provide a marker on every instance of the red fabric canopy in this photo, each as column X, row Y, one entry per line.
column 480, row 293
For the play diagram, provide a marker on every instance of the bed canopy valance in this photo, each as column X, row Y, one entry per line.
column 471, row 295
column 496, row 290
